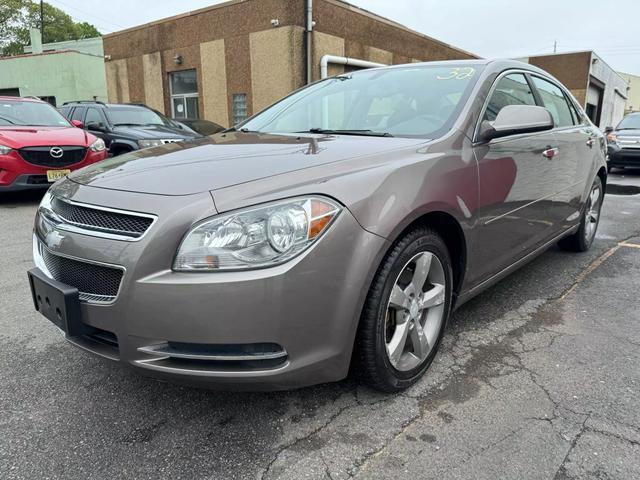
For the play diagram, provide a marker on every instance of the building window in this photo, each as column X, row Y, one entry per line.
column 184, row 94
column 240, row 112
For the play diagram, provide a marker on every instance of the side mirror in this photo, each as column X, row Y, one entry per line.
column 516, row 119
column 77, row 123
column 95, row 126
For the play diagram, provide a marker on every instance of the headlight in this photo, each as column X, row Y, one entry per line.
column 149, row 143
column 4, row 150
column 98, row 145
column 256, row 237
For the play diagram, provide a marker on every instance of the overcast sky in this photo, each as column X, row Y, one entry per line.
column 506, row 28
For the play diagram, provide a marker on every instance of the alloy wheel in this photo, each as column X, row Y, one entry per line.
column 592, row 214
column 415, row 311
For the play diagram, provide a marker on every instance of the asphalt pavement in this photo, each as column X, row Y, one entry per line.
column 537, row 378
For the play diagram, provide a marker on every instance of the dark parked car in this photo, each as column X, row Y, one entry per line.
column 203, row 127
column 342, row 224
column 624, row 143
column 126, row 127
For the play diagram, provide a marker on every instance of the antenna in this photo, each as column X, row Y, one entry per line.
column 555, row 46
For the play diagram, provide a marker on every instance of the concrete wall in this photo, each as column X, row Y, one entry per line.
column 615, row 92
column 66, row 76
column 633, row 92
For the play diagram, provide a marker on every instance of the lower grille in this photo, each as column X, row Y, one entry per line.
column 55, row 157
column 96, row 283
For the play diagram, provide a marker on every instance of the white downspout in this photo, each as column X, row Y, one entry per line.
column 309, row 40
column 327, row 59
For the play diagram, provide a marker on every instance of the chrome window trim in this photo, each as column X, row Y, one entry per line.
column 38, row 246
column 83, row 229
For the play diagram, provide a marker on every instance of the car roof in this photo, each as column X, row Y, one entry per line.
column 104, row 105
column 20, row 99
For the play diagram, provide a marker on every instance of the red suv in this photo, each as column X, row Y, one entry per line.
column 38, row 145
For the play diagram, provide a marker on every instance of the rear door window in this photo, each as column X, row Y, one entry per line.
column 78, row 114
column 512, row 89
column 554, row 100
column 93, row 116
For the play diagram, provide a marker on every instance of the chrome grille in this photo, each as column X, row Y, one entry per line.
column 96, row 283
column 42, row 156
column 119, row 223
column 629, row 142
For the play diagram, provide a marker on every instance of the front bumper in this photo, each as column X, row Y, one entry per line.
column 17, row 174
column 623, row 157
column 284, row 327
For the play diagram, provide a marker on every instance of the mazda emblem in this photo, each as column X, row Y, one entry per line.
column 56, row 152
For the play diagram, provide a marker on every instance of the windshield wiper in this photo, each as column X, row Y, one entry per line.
column 628, row 128
column 365, row 133
column 7, row 120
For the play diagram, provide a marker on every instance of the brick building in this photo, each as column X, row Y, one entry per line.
column 230, row 60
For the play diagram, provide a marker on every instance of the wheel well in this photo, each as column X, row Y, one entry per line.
column 602, row 173
column 119, row 149
column 450, row 230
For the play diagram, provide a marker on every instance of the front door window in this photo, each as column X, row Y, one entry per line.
column 184, row 94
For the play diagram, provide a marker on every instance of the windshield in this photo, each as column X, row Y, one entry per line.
column 32, row 114
column 136, row 116
column 419, row 101
column 629, row 122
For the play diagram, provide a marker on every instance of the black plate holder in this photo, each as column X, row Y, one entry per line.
column 58, row 302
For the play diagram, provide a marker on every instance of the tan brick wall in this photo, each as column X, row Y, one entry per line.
column 117, row 81
column 276, row 64
column 152, row 75
column 324, row 44
column 214, row 82
column 379, row 55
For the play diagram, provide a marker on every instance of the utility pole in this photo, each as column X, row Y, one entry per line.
column 42, row 20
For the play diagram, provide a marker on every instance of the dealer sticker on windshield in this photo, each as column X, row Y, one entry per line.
column 53, row 175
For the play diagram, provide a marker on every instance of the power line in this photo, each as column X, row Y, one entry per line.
column 100, row 19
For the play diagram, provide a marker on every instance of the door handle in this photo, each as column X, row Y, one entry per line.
column 551, row 152
column 590, row 142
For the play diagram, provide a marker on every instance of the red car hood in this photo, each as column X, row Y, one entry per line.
column 18, row 137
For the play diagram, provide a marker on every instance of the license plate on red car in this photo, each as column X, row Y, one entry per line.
column 53, row 175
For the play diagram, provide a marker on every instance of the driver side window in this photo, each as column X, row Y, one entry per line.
column 512, row 89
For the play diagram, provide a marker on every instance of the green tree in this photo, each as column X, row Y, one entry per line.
column 18, row 16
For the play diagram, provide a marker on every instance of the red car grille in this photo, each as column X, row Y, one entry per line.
column 55, row 157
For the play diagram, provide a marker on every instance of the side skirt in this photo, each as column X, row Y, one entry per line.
column 468, row 295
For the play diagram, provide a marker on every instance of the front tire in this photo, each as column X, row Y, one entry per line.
column 405, row 313
column 582, row 240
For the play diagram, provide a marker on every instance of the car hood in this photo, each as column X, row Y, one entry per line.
column 153, row 132
column 628, row 133
column 224, row 160
column 18, row 137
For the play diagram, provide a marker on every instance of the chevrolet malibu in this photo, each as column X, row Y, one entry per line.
column 334, row 231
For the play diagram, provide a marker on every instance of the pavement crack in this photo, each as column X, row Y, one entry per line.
column 561, row 473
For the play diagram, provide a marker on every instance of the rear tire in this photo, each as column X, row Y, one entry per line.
column 582, row 240
column 405, row 312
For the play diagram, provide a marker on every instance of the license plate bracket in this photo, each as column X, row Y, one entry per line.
column 58, row 302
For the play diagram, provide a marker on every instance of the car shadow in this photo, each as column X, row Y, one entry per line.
column 22, row 198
